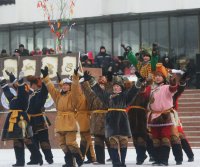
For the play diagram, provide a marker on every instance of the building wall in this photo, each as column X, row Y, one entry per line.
column 27, row 11
column 108, row 23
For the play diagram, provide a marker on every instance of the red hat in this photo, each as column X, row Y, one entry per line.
column 90, row 57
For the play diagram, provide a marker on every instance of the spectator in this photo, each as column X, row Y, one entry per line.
column 45, row 51
column 36, row 52
column 190, row 68
column 87, row 60
column 103, row 60
column 167, row 62
column 52, row 51
column 23, row 51
column 69, row 52
column 16, row 53
column 3, row 53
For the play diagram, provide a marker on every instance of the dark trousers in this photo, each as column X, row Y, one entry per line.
column 41, row 138
column 19, row 150
column 99, row 146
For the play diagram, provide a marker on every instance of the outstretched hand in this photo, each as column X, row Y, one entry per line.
column 11, row 76
column 45, row 71
column 140, row 78
column 172, row 80
column 87, row 76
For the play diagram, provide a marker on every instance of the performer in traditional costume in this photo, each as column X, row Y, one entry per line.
column 97, row 126
column 38, row 119
column 65, row 123
column 161, row 119
column 137, row 114
column 83, row 119
column 148, row 66
column 17, row 126
column 184, row 141
column 117, row 123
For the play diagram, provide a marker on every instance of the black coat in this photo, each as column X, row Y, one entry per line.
column 19, row 102
column 117, row 122
column 104, row 61
column 36, row 109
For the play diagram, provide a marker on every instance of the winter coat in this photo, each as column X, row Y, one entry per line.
column 137, row 113
column 65, row 118
column 99, row 110
column 81, row 105
column 36, row 109
column 17, row 123
column 117, row 123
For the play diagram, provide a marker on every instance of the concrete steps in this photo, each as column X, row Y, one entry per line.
column 189, row 113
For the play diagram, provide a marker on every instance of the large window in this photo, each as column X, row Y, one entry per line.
column 77, row 38
column 98, row 35
column 44, row 38
column 184, row 36
column 4, row 40
column 24, row 37
column 126, row 33
column 155, row 30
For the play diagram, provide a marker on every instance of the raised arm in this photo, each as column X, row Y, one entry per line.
column 102, row 94
column 132, row 58
column 49, row 84
column 155, row 56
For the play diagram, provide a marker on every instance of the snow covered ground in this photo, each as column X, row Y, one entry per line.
column 7, row 158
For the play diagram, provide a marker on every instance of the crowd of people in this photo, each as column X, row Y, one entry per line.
column 112, row 109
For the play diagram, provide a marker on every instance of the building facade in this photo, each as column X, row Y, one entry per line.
column 109, row 23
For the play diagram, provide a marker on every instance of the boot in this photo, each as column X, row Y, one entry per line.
column 141, row 156
column 48, row 155
column 164, row 155
column 68, row 160
column 100, row 154
column 178, row 154
column 157, row 157
column 35, row 154
column 78, row 158
column 19, row 154
column 123, row 152
column 150, row 149
column 83, row 148
column 89, row 157
column 108, row 148
column 187, row 149
column 115, row 156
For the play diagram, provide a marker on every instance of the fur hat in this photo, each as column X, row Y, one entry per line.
column 160, row 69
column 34, row 80
column 118, row 81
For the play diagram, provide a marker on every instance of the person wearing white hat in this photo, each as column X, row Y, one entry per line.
column 65, row 123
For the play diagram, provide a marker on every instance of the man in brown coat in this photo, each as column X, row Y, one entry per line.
column 83, row 119
column 65, row 123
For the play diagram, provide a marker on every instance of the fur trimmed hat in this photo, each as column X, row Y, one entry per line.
column 118, row 81
column 34, row 80
column 160, row 69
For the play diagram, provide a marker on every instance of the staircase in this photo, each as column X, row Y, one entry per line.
column 189, row 113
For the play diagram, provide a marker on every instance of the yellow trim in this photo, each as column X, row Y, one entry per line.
column 165, row 111
column 136, row 107
column 116, row 109
column 35, row 115
column 63, row 113
column 13, row 119
column 100, row 111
